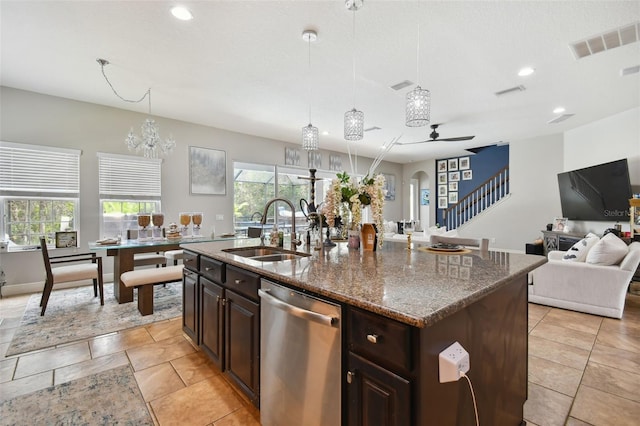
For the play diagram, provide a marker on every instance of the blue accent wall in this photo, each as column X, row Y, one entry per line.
column 483, row 164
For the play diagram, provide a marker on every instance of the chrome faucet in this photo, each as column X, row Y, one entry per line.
column 294, row 241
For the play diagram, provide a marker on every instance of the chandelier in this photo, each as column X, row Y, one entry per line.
column 418, row 107
column 354, row 119
column 149, row 141
column 310, row 140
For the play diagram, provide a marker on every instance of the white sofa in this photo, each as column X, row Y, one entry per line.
column 584, row 287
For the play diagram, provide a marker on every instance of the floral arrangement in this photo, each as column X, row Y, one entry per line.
column 346, row 197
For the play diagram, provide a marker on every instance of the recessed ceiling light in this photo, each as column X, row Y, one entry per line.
column 182, row 13
column 559, row 110
column 325, row 133
column 526, row 71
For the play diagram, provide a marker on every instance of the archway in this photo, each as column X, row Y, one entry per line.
column 419, row 199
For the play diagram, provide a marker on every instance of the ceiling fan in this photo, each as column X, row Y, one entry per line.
column 434, row 137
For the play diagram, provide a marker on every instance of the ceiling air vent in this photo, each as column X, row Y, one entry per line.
column 630, row 70
column 560, row 118
column 607, row 40
column 519, row 88
column 401, row 85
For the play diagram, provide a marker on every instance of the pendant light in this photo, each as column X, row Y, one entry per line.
column 354, row 119
column 310, row 133
column 418, row 109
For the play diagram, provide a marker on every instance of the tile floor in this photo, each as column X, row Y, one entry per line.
column 583, row 369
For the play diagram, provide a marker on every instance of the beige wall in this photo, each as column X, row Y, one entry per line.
column 33, row 118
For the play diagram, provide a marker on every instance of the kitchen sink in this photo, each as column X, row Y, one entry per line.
column 266, row 254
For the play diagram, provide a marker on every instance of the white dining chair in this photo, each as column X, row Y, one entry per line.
column 75, row 267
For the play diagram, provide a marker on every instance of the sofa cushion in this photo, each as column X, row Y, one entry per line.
column 578, row 252
column 610, row 250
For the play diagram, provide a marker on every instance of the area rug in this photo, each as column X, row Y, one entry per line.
column 74, row 314
column 107, row 398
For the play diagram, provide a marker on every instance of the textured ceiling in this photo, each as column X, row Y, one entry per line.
column 242, row 65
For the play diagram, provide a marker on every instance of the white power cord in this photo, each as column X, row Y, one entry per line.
column 473, row 395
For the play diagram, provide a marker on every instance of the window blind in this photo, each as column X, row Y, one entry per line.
column 39, row 170
column 129, row 177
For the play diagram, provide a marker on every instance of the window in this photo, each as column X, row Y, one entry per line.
column 39, row 191
column 128, row 185
column 255, row 184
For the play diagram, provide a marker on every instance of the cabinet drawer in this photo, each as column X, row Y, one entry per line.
column 212, row 269
column 190, row 260
column 384, row 340
column 243, row 282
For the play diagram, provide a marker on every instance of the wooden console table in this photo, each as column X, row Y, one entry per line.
column 554, row 240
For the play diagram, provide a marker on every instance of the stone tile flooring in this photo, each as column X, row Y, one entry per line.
column 583, row 369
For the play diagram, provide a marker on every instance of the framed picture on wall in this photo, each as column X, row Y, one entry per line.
column 424, row 197
column 442, row 166
column 453, row 197
column 207, row 171
column 454, row 176
column 314, row 160
column 453, row 186
column 463, row 163
column 335, row 162
column 442, row 178
column 389, row 186
column 291, row 157
column 467, row 174
column 453, row 164
column 442, row 202
column 442, row 190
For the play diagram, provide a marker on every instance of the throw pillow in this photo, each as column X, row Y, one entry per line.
column 578, row 252
column 610, row 250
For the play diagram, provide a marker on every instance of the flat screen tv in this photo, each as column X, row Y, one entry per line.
column 598, row 193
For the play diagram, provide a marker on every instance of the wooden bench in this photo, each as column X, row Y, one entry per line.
column 145, row 279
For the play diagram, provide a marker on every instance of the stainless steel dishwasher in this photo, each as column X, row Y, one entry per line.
column 300, row 360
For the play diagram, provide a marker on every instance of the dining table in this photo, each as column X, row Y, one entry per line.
column 123, row 252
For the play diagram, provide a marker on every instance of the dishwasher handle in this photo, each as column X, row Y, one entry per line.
column 297, row 311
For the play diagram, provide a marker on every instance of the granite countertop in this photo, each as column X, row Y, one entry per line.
column 415, row 287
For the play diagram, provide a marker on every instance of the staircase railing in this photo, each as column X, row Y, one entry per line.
column 481, row 198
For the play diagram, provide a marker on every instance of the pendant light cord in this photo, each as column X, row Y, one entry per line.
column 418, row 58
column 354, row 57
column 309, row 76
column 104, row 62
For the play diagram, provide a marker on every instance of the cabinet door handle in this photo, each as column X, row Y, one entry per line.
column 208, row 269
column 373, row 338
column 350, row 377
column 238, row 281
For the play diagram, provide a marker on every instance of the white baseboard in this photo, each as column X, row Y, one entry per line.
column 37, row 287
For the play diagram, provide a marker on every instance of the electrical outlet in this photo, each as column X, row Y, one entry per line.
column 219, row 217
column 453, row 361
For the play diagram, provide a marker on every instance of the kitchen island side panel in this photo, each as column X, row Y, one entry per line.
column 493, row 330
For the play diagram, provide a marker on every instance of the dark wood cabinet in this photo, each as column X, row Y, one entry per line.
column 221, row 313
column 212, row 320
column 376, row 396
column 379, row 370
column 242, row 343
column 190, row 304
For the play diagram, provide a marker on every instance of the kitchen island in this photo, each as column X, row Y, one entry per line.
column 400, row 310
